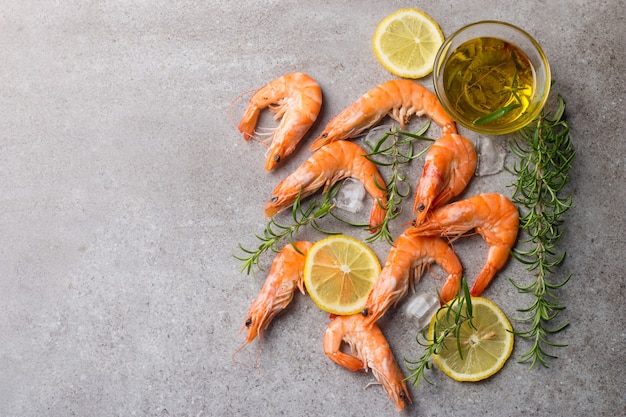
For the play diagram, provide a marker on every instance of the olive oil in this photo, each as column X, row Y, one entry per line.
column 491, row 79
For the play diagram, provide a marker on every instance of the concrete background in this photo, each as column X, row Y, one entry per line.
column 125, row 190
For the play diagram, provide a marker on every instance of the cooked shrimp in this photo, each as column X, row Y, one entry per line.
column 448, row 168
column 411, row 254
column 493, row 216
column 399, row 99
column 325, row 167
column 278, row 290
column 369, row 350
column 296, row 100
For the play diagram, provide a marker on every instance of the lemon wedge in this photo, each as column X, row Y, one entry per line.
column 406, row 43
column 339, row 273
column 485, row 345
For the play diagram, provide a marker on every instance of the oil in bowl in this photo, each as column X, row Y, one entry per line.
column 487, row 74
column 488, row 81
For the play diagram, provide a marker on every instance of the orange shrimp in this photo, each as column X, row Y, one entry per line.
column 448, row 168
column 399, row 99
column 370, row 349
column 407, row 254
column 493, row 216
column 327, row 165
column 278, row 290
column 296, row 99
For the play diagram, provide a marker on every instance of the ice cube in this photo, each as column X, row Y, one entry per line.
column 350, row 195
column 376, row 133
column 420, row 309
column 491, row 156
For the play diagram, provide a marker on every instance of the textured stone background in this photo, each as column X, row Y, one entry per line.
column 126, row 189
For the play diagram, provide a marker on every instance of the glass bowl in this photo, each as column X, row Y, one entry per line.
column 492, row 77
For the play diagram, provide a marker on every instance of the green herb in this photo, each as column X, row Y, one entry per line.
column 275, row 232
column 546, row 155
column 461, row 307
column 393, row 155
column 501, row 112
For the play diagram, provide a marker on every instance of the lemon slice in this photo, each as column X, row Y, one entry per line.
column 406, row 43
column 339, row 273
column 486, row 346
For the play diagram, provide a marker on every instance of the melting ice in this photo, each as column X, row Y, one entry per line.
column 491, row 156
column 350, row 195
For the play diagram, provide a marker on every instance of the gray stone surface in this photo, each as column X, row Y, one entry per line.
column 126, row 188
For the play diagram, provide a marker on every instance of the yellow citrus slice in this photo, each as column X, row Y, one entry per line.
column 406, row 43
column 486, row 344
column 339, row 273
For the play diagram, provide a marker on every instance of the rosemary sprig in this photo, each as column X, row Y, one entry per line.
column 393, row 155
column 461, row 308
column 275, row 232
column 495, row 115
column 546, row 154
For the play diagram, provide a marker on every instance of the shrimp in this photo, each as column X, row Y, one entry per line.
column 296, row 99
column 493, row 216
column 399, row 99
column 408, row 253
column 448, row 168
column 371, row 350
column 327, row 165
column 278, row 290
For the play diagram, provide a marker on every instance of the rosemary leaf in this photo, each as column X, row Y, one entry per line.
column 501, row 112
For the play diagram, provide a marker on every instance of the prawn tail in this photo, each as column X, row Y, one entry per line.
column 377, row 215
column 482, row 281
column 496, row 258
column 249, row 121
column 450, row 288
column 347, row 361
